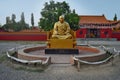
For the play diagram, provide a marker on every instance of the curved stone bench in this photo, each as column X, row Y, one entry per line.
column 97, row 55
column 24, row 57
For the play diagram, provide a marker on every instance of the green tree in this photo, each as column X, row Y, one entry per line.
column 8, row 25
column 0, row 25
column 15, row 26
column 32, row 19
column 22, row 22
column 22, row 18
column 13, row 18
column 115, row 17
column 8, row 21
column 51, row 12
column 73, row 19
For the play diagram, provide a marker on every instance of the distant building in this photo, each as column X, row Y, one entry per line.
column 96, row 27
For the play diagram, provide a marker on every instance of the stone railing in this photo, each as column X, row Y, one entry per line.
column 112, row 51
column 13, row 51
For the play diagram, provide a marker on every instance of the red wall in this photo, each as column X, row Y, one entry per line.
column 24, row 37
column 81, row 33
column 116, row 35
column 105, row 33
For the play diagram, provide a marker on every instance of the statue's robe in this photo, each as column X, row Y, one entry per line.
column 61, row 30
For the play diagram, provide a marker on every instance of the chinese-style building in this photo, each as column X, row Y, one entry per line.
column 90, row 27
column 96, row 27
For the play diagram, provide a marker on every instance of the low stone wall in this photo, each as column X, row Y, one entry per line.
column 33, row 49
column 93, row 58
column 98, row 55
column 23, row 54
column 88, row 49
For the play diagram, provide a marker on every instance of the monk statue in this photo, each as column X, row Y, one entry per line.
column 61, row 29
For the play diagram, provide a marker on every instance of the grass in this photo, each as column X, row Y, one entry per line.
column 3, row 57
column 27, row 67
column 19, row 66
column 30, row 69
column 24, row 67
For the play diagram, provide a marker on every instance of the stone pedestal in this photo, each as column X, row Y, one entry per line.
column 61, row 51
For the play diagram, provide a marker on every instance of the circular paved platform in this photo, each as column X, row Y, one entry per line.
column 84, row 51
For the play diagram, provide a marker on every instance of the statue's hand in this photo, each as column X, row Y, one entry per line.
column 55, row 33
column 66, row 33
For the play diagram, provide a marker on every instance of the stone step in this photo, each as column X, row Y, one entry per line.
column 96, row 39
column 60, row 59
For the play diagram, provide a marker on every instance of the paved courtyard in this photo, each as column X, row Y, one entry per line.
column 61, row 71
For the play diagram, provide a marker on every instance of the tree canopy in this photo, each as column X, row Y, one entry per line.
column 51, row 12
column 32, row 19
column 11, row 24
column 115, row 17
column 0, row 25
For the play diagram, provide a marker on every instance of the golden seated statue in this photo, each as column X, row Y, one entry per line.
column 61, row 43
column 61, row 37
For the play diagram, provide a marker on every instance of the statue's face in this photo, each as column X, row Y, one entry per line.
column 61, row 20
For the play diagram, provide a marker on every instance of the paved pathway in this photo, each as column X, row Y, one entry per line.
column 61, row 71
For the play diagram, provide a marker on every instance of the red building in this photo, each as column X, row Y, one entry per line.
column 96, row 27
column 90, row 27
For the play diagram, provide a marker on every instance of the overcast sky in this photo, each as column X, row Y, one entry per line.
column 82, row 7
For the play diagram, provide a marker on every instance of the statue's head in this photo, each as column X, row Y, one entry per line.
column 61, row 19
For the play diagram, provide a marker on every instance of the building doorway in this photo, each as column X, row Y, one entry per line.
column 93, row 33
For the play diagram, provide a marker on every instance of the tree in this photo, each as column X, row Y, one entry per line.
column 32, row 19
column 22, row 18
column 13, row 18
column 15, row 26
column 8, row 21
column 73, row 19
column 51, row 12
column 22, row 22
column 115, row 17
column 0, row 25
